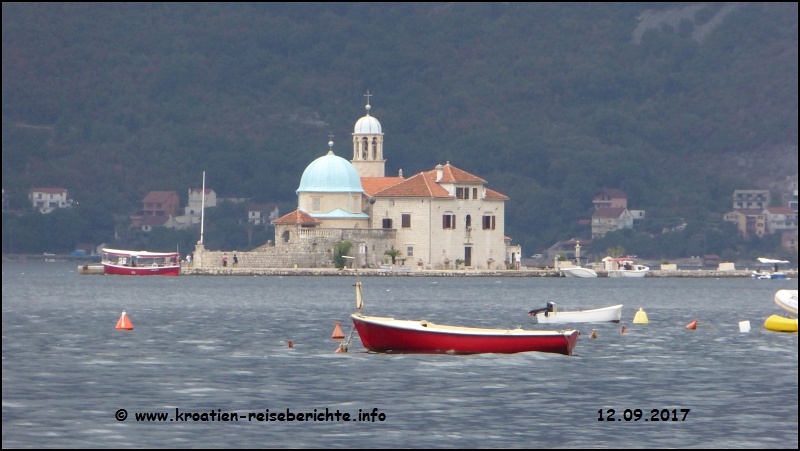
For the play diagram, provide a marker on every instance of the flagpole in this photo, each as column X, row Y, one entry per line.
column 203, row 207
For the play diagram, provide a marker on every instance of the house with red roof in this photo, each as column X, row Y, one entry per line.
column 160, row 203
column 608, row 219
column 433, row 218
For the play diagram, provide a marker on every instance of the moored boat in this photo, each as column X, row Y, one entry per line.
column 578, row 271
column 765, row 274
column 140, row 263
column 787, row 300
column 389, row 335
column 552, row 315
column 625, row 267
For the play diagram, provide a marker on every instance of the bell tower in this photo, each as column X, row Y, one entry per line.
column 368, row 145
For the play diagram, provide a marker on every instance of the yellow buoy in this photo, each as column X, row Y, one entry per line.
column 641, row 317
column 777, row 323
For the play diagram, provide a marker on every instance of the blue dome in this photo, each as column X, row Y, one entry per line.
column 330, row 174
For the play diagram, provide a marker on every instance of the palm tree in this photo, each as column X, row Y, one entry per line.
column 394, row 253
column 615, row 252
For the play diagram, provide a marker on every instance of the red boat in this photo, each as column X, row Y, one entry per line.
column 403, row 336
column 140, row 263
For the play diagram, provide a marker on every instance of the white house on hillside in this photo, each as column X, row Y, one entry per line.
column 48, row 199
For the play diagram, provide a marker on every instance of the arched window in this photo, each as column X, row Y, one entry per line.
column 469, row 221
column 374, row 148
column 286, row 236
column 364, row 148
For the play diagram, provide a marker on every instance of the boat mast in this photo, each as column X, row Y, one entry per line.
column 202, row 207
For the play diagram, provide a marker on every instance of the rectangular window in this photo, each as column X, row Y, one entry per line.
column 488, row 223
column 466, row 193
column 387, row 223
column 460, row 193
column 406, row 221
column 316, row 204
column 51, row 196
column 448, row 221
column 39, row 196
column 474, row 193
column 410, row 251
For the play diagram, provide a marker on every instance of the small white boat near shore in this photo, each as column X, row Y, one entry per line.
column 551, row 315
column 625, row 267
column 578, row 271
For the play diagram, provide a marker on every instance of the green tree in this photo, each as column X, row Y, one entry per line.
column 394, row 253
column 341, row 249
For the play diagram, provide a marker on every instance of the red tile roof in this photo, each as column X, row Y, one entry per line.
column 159, row 196
column 492, row 194
column 420, row 185
column 780, row 211
column 155, row 220
column 608, row 212
column 50, row 190
column 372, row 185
column 297, row 217
column 612, row 193
column 451, row 174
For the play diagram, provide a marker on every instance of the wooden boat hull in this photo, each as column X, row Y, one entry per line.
column 399, row 336
column 777, row 323
column 141, row 270
column 601, row 315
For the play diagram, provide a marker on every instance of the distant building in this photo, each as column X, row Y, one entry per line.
column 789, row 241
column 608, row 219
column 751, row 199
column 780, row 219
column 160, row 203
column 610, row 198
column 262, row 213
column 48, row 199
column 637, row 214
column 192, row 212
column 793, row 201
column 748, row 221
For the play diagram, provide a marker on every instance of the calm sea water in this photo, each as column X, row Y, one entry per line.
column 209, row 343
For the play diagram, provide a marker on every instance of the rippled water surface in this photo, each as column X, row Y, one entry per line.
column 208, row 343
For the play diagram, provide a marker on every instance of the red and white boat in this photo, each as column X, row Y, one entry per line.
column 380, row 334
column 140, row 263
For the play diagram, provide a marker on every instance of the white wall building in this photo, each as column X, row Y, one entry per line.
column 48, row 199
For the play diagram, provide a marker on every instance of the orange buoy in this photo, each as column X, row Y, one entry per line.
column 594, row 333
column 692, row 325
column 623, row 329
column 124, row 322
column 291, row 344
column 337, row 332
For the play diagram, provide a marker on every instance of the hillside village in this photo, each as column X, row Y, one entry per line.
column 381, row 216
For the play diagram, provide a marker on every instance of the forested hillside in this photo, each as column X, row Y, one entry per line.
column 548, row 102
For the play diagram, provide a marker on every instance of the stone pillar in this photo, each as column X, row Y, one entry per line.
column 199, row 248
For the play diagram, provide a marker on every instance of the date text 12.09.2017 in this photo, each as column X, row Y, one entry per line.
column 637, row 415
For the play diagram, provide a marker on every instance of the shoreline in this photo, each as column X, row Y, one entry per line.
column 317, row 272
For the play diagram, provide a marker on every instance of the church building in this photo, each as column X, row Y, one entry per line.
column 435, row 218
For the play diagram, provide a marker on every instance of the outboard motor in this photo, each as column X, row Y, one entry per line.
column 551, row 308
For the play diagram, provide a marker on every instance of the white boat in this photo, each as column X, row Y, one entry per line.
column 625, row 267
column 766, row 275
column 787, row 300
column 551, row 315
column 578, row 271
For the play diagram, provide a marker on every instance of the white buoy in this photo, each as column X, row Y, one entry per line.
column 744, row 326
